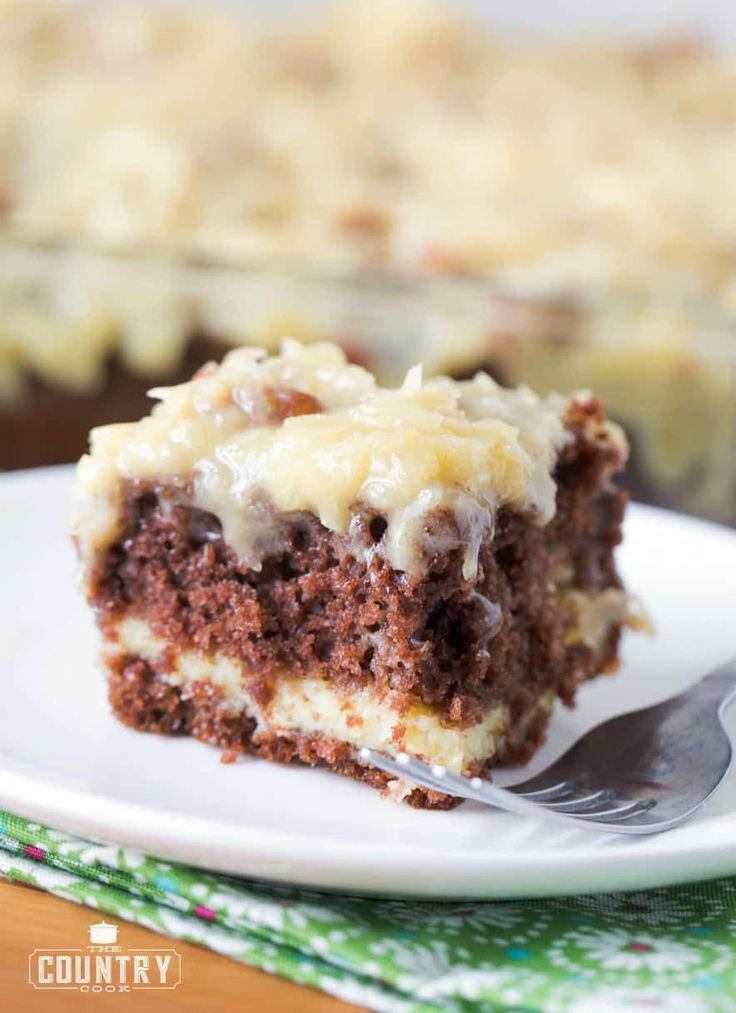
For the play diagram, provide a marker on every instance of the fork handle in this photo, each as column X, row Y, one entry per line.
column 722, row 682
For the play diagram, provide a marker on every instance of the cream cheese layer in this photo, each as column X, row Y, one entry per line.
column 312, row 706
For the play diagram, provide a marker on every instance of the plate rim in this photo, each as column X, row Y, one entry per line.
column 268, row 855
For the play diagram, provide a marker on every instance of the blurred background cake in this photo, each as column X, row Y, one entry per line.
column 400, row 176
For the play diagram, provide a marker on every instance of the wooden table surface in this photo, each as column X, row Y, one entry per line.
column 210, row 983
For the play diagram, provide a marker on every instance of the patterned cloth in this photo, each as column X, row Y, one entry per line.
column 670, row 949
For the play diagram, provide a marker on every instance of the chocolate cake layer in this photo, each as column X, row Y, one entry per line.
column 326, row 603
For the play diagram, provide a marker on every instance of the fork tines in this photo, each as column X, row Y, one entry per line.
column 567, row 799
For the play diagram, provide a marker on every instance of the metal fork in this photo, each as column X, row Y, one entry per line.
column 639, row 773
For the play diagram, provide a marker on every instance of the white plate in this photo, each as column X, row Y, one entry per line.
column 64, row 759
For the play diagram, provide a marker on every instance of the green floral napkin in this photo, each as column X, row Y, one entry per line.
column 670, row 949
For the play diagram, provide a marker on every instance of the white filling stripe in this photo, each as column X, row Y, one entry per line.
column 312, row 706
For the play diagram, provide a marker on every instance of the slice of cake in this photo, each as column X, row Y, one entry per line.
column 289, row 560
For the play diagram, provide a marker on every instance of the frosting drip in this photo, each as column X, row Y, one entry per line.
column 304, row 431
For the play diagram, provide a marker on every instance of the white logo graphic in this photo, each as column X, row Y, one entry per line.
column 103, row 933
column 103, row 966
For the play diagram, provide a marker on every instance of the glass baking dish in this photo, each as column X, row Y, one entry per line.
column 667, row 370
column 92, row 317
